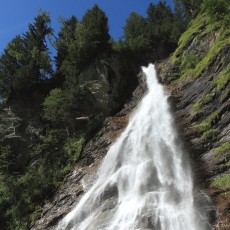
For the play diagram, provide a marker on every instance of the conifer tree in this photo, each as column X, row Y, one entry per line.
column 135, row 33
column 65, row 37
column 25, row 61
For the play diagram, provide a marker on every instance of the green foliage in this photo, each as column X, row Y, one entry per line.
column 164, row 27
column 96, row 35
column 39, row 181
column 160, row 21
column 80, row 43
column 190, row 61
column 7, row 159
column 55, row 106
column 180, row 20
column 206, row 99
column 222, row 182
column 209, row 134
column 206, row 124
column 222, row 80
column 61, row 107
column 26, row 59
column 92, row 36
column 135, row 32
column 221, row 42
column 195, row 26
column 224, row 148
column 197, row 107
column 65, row 37
column 158, row 33
column 73, row 148
column 218, row 10
column 22, row 196
column 192, row 7
column 5, row 199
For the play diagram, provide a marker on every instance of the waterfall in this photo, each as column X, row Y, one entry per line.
column 144, row 181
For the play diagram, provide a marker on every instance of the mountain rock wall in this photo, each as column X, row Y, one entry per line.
column 197, row 76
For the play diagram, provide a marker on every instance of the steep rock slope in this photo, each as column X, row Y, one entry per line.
column 197, row 76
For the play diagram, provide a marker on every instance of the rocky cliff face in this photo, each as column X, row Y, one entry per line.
column 197, row 77
column 110, row 83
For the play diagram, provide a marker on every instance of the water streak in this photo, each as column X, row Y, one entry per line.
column 144, row 181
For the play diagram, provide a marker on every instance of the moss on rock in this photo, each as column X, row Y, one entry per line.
column 221, row 182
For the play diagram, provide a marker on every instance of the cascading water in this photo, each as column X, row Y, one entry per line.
column 144, row 181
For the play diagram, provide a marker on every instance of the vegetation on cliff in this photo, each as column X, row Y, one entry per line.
column 198, row 72
column 193, row 57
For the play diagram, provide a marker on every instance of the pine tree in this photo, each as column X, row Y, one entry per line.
column 135, row 33
column 65, row 37
column 25, row 61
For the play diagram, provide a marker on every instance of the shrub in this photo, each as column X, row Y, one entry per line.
column 217, row 9
column 55, row 106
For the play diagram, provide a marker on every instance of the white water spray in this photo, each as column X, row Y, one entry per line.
column 144, row 181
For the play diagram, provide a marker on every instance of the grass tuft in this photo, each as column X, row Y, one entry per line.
column 222, row 182
column 223, row 148
column 206, row 124
column 195, row 27
column 222, row 80
column 211, row 133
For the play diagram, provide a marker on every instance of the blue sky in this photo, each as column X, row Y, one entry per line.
column 15, row 15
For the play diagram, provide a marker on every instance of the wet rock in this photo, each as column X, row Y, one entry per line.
column 205, row 207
